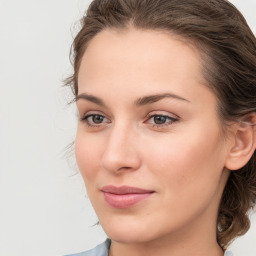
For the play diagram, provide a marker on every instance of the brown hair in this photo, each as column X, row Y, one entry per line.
column 228, row 49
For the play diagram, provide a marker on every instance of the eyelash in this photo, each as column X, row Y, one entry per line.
column 85, row 119
column 170, row 122
column 167, row 123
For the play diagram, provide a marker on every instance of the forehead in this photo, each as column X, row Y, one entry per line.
column 134, row 48
column 141, row 61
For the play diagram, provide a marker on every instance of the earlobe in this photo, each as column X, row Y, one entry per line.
column 244, row 143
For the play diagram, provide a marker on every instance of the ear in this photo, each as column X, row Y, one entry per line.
column 243, row 143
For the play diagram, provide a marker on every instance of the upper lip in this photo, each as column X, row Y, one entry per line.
column 124, row 190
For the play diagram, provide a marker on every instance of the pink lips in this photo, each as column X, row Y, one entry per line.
column 124, row 196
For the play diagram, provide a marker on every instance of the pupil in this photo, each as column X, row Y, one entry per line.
column 97, row 119
column 159, row 119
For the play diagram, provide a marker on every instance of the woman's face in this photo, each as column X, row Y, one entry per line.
column 149, row 144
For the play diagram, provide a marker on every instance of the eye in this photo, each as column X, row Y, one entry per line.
column 161, row 120
column 95, row 120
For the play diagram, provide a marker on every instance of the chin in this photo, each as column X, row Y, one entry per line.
column 129, row 232
column 127, row 237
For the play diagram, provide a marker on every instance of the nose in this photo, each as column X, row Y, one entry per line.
column 121, row 152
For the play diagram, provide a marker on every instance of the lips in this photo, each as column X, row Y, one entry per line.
column 124, row 196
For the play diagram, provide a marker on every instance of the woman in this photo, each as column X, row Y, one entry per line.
column 166, row 95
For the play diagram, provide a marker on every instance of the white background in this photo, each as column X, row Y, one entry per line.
column 43, row 205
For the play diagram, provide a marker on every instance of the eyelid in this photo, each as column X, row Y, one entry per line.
column 171, row 119
column 162, row 113
column 93, row 112
column 90, row 115
column 90, row 124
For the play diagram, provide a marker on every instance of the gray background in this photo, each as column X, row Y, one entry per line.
column 43, row 205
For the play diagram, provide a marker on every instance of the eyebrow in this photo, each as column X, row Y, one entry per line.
column 139, row 102
column 154, row 98
column 90, row 98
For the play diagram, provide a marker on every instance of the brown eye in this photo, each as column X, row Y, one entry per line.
column 97, row 119
column 160, row 119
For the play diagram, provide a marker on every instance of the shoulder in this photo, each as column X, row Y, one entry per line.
column 99, row 250
column 228, row 253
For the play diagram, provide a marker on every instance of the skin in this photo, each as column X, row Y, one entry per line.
column 183, row 161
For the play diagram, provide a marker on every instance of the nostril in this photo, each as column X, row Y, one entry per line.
column 124, row 169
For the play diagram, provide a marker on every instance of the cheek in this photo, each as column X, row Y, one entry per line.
column 87, row 153
column 192, row 159
column 187, row 170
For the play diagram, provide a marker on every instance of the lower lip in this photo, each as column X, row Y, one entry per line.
column 126, row 200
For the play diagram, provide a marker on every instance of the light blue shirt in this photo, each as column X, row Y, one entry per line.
column 102, row 250
column 99, row 250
